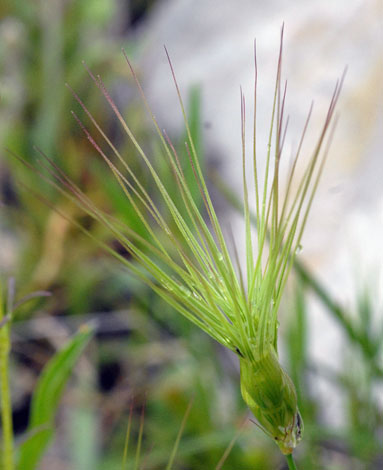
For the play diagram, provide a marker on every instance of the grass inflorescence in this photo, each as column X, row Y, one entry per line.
column 182, row 253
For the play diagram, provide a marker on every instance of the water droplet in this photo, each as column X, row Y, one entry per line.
column 299, row 249
column 187, row 292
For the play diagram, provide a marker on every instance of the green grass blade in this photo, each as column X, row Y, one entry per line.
column 47, row 396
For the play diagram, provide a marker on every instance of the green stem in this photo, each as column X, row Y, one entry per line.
column 290, row 462
column 5, row 396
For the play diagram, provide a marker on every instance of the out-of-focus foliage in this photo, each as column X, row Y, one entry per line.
column 42, row 47
column 144, row 352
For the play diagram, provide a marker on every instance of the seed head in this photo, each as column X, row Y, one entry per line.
column 199, row 276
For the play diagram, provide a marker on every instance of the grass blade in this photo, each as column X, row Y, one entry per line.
column 47, row 396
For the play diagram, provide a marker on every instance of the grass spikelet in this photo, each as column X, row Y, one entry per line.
column 198, row 275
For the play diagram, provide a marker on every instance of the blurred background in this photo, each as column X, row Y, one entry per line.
column 144, row 353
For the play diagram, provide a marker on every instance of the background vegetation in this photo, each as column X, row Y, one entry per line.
column 143, row 355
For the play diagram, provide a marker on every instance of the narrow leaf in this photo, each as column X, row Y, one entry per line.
column 47, row 396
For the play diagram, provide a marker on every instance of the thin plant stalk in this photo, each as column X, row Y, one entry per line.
column 179, row 435
column 127, row 438
column 7, row 454
column 139, row 443
column 290, row 462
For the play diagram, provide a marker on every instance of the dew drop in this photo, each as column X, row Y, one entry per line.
column 299, row 249
column 187, row 292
